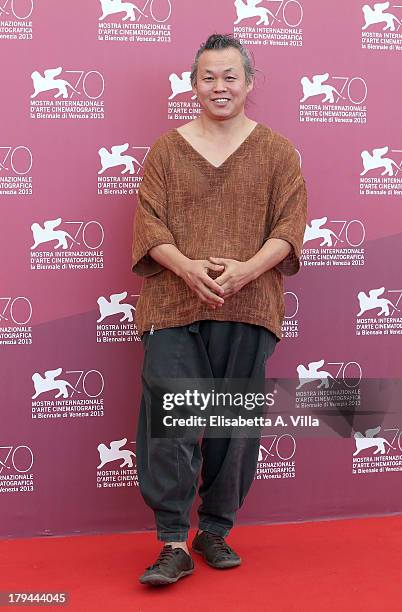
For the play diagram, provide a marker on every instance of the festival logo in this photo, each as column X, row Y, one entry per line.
column 15, row 316
column 325, row 383
column 376, row 454
column 122, row 475
column 276, row 457
column 80, row 92
column 369, row 441
column 16, row 19
column 180, row 84
column 120, row 326
column 333, row 99
column 140, row 22
column 182, row 104
column 333, row 243
column 269, row 22
column 121, row 169
column 16, row 473
column 381, row 26
column 379, row 313
column 15, row 170
column 74, row 393
column 381, row 172
column 75, row 248
column 290, row 325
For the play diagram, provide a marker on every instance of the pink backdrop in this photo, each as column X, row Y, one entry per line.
column 120, row 84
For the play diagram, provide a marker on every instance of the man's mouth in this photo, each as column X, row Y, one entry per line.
column 221, row 100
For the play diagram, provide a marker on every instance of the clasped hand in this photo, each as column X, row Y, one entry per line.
column 213, row 292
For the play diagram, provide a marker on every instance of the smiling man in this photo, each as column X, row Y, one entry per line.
column 220, row 217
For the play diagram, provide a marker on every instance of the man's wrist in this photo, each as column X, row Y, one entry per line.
column 180, row 265
column 271, row 253
column 252, row 269
column 169, row 256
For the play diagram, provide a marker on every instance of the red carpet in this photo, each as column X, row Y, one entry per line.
column 331, row 565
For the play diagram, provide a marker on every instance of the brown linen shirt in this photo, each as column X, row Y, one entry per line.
column 226, row 211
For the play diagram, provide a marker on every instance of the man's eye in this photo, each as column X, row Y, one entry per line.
column 232, row 78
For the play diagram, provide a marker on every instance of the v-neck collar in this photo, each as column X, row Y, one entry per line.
column 204, row 159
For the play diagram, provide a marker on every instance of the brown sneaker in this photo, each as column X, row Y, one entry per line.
column 172, row 564
column 215, row 550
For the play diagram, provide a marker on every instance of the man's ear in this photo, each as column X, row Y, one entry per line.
column 250, row 86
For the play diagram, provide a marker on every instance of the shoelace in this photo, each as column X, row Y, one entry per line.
column 218, row 542
column 166, row 554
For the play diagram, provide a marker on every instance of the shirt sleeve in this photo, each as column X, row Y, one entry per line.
column 289, row 211
column 150, row 219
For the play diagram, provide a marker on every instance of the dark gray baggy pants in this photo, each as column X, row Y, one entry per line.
column 168, row 468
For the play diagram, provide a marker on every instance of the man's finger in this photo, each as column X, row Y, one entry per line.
column 222, row 279
column 211, row 295
column 211, row 303
column 207, row 302
column 227, row 285
column 212, row 284
column 212, row 266
column 204, row 300
column 229, row 293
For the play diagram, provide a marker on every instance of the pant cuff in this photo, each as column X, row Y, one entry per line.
column 167, row 536
column 214, row 528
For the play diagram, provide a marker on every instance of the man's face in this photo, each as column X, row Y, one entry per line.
column 221, row 84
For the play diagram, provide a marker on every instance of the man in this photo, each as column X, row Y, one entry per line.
column 221, row 215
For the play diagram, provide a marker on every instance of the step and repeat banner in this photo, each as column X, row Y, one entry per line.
column 87, row 87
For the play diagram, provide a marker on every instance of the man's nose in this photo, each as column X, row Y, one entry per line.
column 220, row 85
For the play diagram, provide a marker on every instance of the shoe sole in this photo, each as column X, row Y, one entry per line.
column 160, row 580
column 227, row 565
